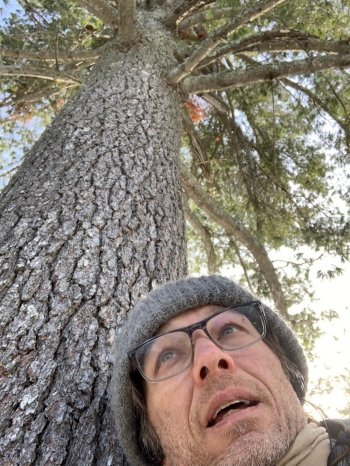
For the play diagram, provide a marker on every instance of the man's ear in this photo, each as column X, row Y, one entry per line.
column 166, row 463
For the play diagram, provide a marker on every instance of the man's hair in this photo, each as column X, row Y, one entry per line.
column 149, row 442
column 147, row 437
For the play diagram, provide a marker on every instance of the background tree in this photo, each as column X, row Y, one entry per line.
column 93, row 218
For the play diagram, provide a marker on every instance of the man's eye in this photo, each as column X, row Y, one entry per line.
column 166, row 356
column 228, row 330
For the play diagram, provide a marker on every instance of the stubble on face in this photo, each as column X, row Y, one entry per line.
column 259, row 449
column 248, row 445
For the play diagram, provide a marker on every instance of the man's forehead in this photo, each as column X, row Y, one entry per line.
column 189, row 317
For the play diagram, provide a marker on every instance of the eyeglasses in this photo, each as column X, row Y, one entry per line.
column 171, row 353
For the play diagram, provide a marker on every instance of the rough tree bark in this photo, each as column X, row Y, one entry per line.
column 91, row 221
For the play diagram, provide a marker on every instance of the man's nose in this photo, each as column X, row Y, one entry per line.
column 209, row 359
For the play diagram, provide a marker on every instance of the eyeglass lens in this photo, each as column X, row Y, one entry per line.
column 171, row 353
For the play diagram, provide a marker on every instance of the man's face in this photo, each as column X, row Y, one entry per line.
column 259, row 412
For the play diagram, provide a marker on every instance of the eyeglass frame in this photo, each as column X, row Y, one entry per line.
column 190, row 329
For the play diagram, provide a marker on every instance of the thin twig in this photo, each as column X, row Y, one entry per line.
column 56, row 53
column 101, row 10
column 213, row 14
column 198, row 147
column 205, row 236
column 182, row 9
column 241, row 261
column 2, row 175
column 17, row 54
column 78, row 66
column 306, row 45
column 335, row 93
column 45, row 91
column 52, row 75
column 316, row 100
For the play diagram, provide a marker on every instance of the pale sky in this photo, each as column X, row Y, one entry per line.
column 333, row 348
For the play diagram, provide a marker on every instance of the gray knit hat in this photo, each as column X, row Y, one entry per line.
column 157, row 308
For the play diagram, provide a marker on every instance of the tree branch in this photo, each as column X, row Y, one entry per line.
column 17, row 54
column 278, row 41
column 301, row 44
column 205, row 237
column 220, row 35
column 335, row 93
column 211, row 208
column 212, row 14
column 216, row 102
column 183, row 8
column 242, row 147
column 50, row 74
column 78, row 66
column 127, row 21
column 198, row 147
column 241, row 261
column 43, row 93
column 3, row 174
column 228, row 80
column 102, row 10
column 316, row 100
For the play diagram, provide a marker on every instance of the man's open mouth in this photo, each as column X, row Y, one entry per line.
column 229, row 408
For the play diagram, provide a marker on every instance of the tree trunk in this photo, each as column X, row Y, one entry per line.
column 91, row 221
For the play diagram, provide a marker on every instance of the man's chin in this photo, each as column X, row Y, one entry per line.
column 252, row 447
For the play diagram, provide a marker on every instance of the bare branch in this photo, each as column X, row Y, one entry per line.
column 43, row 93
column 228, row 80
column 241, row 261
column 204, row 234
column 102, row 10
column 18, row 54
column 35, row 96
column 301, row 45
column 52, row 75
column 183, row 8
column 235, row 228
column 56, row 52
column 3, row 174
column 198, row 147
column 278, row 41
column 242, row 147
column 216, row 102
column 127, row 21
column 220, row 35
column 78, row 66
column 212, row 14
column 335, row 93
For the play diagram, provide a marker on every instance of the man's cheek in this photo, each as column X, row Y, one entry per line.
column 160, row 417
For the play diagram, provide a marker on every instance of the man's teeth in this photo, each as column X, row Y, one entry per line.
column 231, row 411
